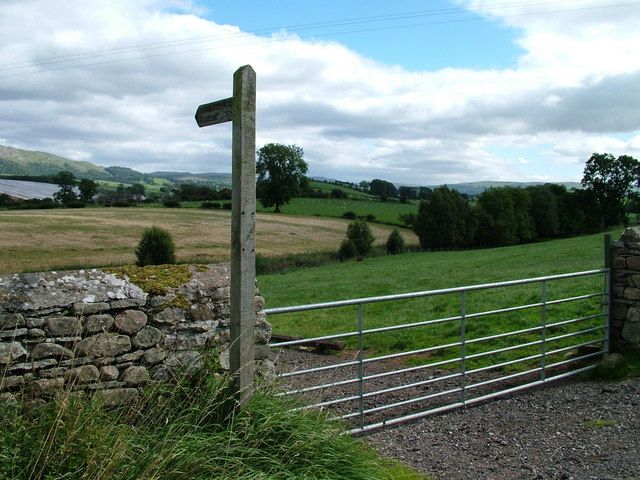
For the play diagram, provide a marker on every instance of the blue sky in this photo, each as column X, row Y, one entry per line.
column 419, row 36
column 505, row 90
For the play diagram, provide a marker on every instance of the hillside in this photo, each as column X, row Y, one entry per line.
column 14, row 161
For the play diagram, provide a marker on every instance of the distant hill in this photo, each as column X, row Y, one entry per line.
column 476, row 188
column 212, row 177
column 14, row 161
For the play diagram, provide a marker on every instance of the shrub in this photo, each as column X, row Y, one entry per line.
column 155, row 248
column 370, row 218
column 171, row 202
column 75, row 204
column 347, row 250
column 395, row 243
column 349, row 215
column 121, row 204
column 209, row 205
column 226, row 206
column 360, row 234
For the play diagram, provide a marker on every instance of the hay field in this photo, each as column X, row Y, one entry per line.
column 32, row 240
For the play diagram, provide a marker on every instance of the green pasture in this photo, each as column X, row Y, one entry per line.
column 331, row 207
column 415, row 272
column 327, row 187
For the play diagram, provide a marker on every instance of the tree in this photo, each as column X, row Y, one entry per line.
column 88, row 189
column 66, row 181
column 503, row 226
column 610, row 179
column 395, row 242
column 382, row 189
column 360, row 234
column 442, row 220
column 280, row 169
column 544, row 211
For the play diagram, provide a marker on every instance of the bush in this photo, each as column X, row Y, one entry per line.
column 155, row 248
column 171, row 203
column 226, row 206
column 370, row 218
column 360, row 234
column 75, row 204
column 395, row 243
column 121, row 204
column 210, row 205
column 347, row 250
column 349, row 215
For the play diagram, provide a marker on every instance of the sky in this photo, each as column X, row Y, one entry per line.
column 414, row 92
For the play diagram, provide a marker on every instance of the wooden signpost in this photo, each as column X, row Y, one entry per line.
column 241, row 110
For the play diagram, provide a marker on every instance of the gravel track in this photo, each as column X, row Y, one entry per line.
column 566, row 430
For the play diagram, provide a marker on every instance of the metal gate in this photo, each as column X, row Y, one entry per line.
column 543, row 329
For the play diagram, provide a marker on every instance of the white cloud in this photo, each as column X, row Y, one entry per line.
column 575, row 87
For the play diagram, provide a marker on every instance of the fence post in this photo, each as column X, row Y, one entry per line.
column 608, row 288
column 463, row 346
column 361, row 366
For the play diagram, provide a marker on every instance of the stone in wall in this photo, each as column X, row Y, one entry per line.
column 92, row 331
column 625, row 309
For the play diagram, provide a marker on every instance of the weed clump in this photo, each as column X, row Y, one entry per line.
column 155, row 248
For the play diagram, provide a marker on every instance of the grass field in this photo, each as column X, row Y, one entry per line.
column 80, row 238
column 330, row 207
column 327, row 187
column 435, row 270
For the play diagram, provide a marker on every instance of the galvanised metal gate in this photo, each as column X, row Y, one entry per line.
column 530, row 343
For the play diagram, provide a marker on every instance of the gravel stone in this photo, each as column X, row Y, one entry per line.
column 570, row 429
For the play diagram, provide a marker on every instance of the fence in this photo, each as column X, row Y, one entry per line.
column 530, row 343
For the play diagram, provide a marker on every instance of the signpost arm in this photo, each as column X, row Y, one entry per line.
column 243, row 211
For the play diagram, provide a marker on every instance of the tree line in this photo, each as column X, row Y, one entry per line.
column 508, row 216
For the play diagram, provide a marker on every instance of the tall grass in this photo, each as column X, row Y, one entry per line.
column 182, row 431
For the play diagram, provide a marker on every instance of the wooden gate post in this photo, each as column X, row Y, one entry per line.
column 241, row 110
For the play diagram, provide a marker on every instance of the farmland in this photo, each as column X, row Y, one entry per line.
column 68, row 238
column 434, row 270
column 329, row 207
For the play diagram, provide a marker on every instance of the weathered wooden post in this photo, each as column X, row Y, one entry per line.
column 241, row 110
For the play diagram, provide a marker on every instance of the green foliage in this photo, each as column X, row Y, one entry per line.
column 66, row 181
column 501, row 226
column 360, row 234
column 610, row 179
column 349, row 215
column 441, row 220
column 544, row 211
column 209, row 205
column 155, row 248
column 181, row 431
column 395, row 242
column 280, row 169
column 347, row 249
column 88, row 189
column 382, row 189
column 155, row 279
column 294, row 261
column 171, row 202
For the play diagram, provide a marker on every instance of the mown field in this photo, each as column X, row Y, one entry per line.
column 435, row 270
column 79, row 238
column 331, row 207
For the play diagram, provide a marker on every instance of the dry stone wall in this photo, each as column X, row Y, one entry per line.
column 625, row 309
column 91, row 331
